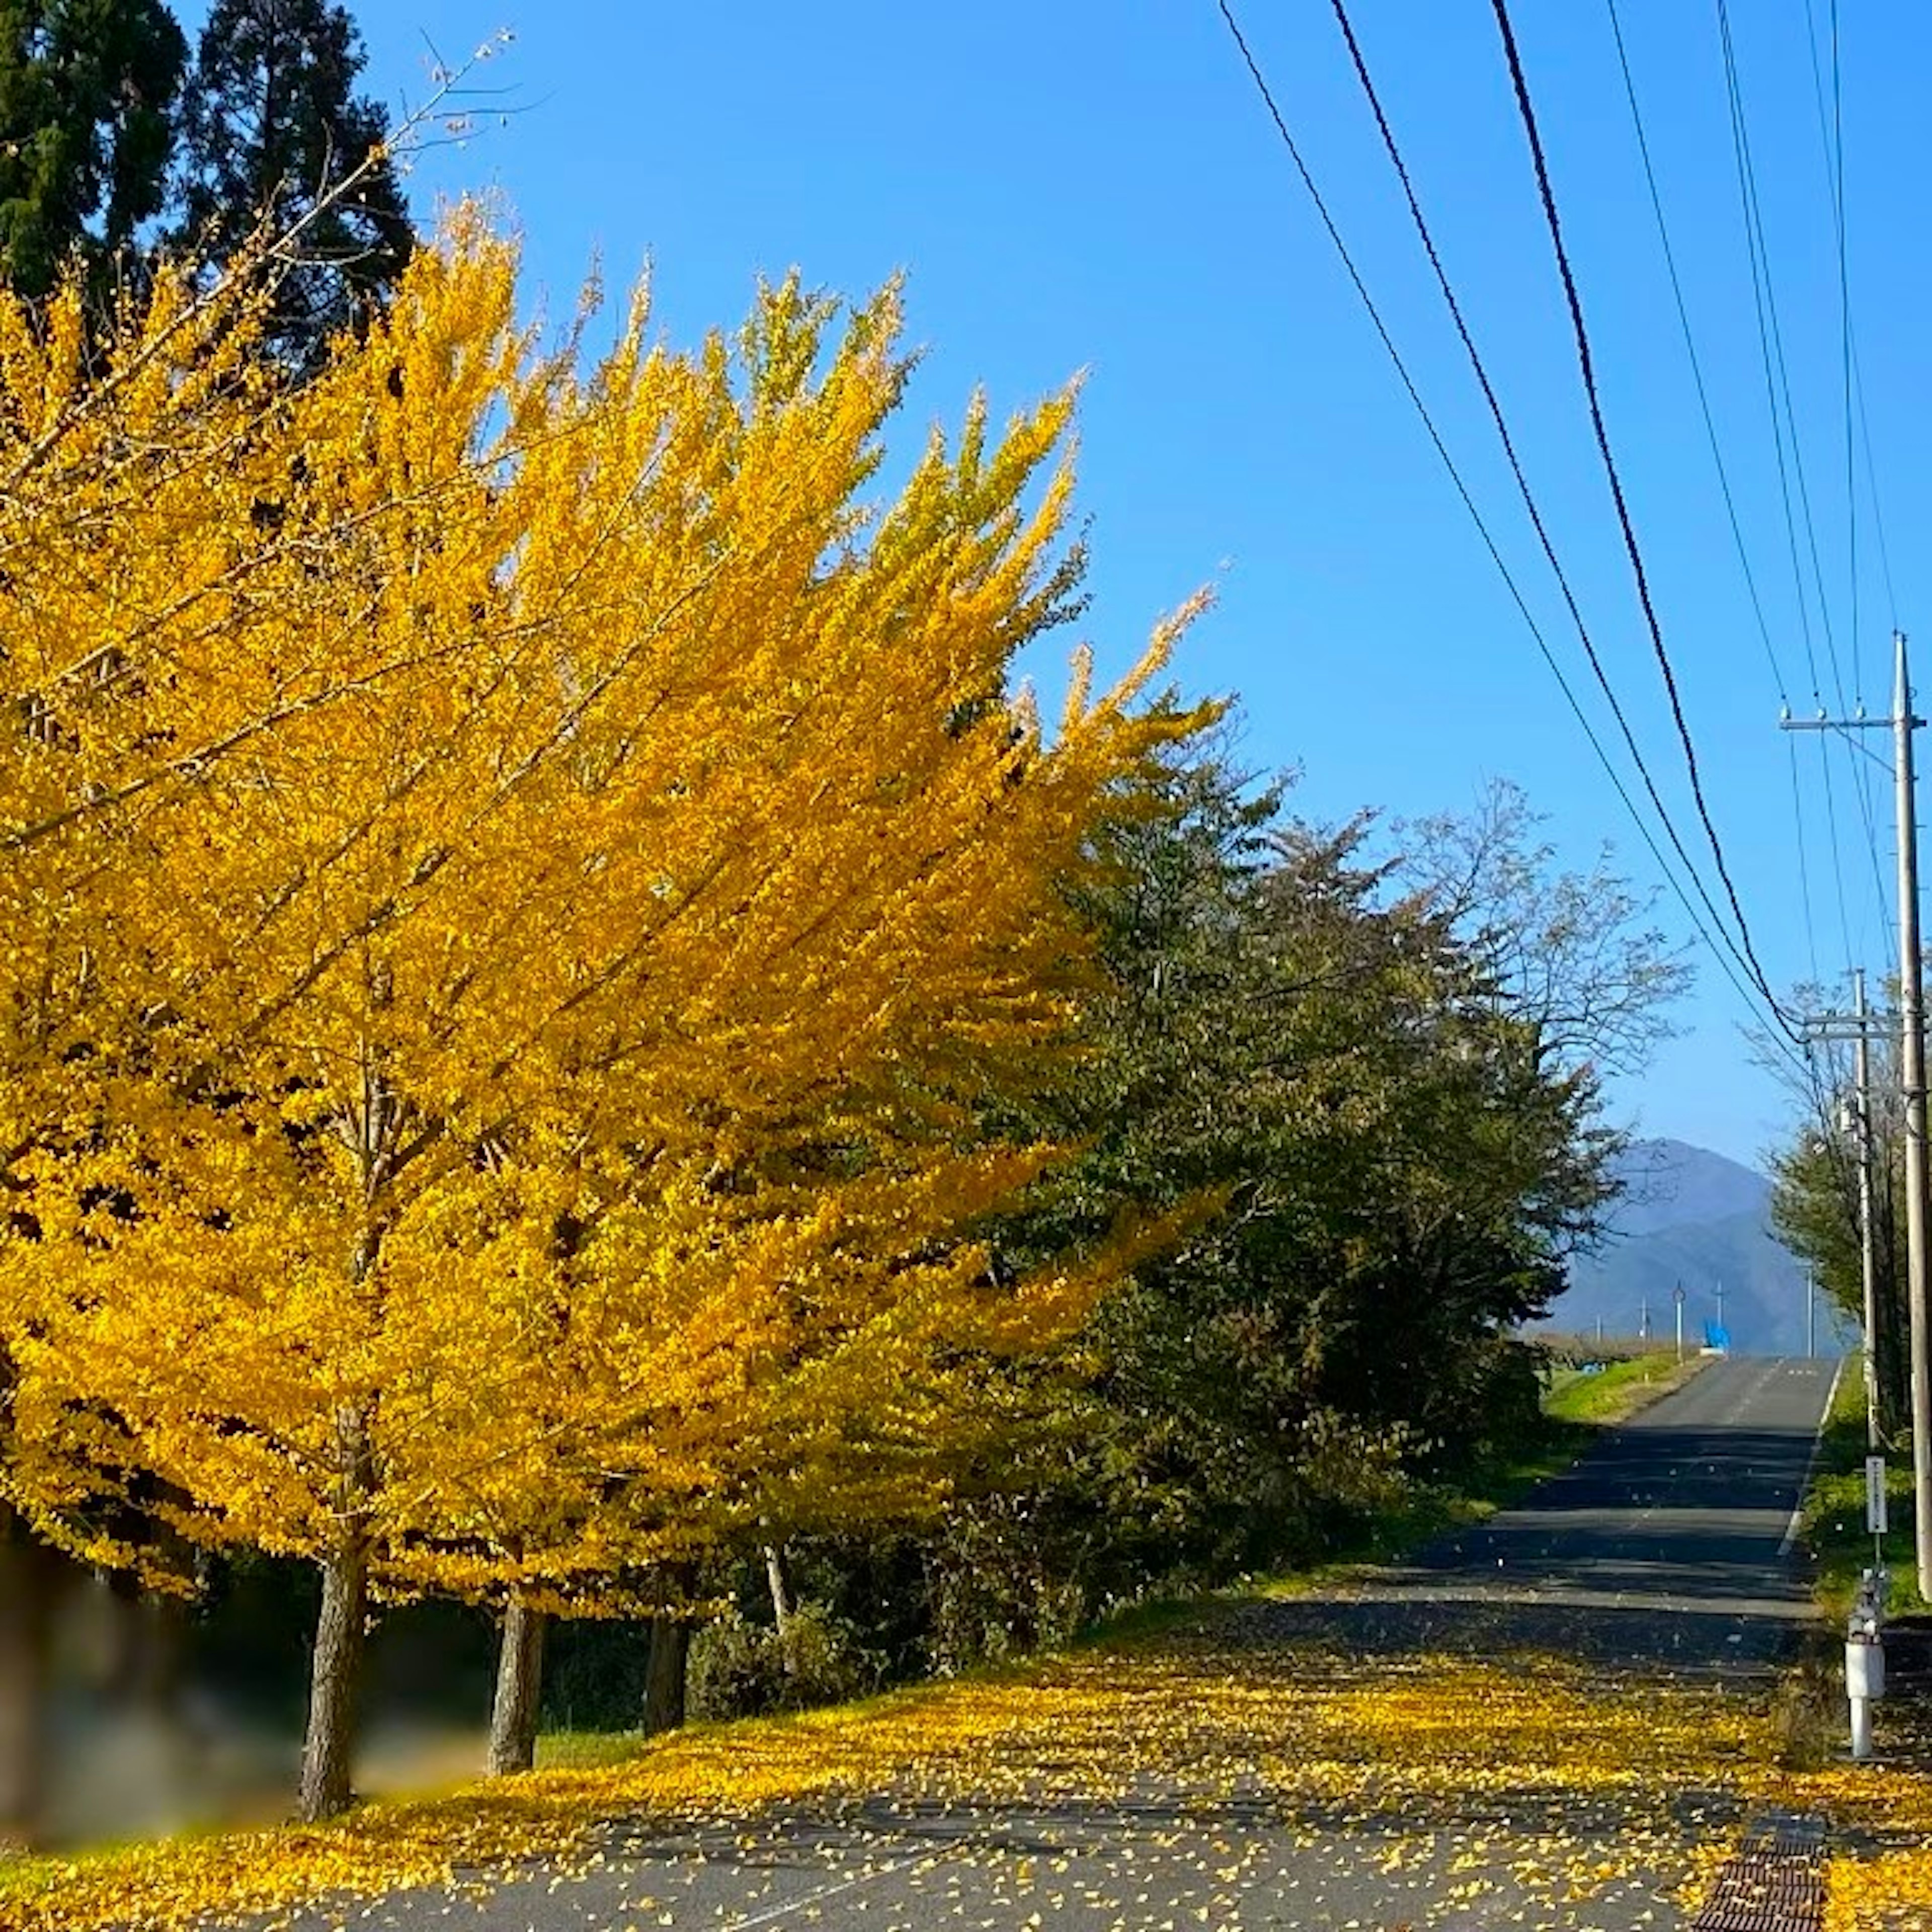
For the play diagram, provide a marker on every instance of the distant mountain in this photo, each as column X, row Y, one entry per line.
column 1691, row 1217
column 1672, row 1184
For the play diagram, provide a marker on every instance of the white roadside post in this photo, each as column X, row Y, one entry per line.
column 1865, row 1642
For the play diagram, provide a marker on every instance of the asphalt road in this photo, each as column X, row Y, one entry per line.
column 1671, row 1543
column 1668, row 1548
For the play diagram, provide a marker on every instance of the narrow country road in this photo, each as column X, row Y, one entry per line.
column 1672, row 1541
column 1662, row 1559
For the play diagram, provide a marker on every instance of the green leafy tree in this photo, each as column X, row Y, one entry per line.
column 270, row 123
column 87, row 93
column 1815, row 1208
column 1574, row 955
column 1385, row 1072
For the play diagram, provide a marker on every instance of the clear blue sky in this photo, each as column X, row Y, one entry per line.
column 1089, row 186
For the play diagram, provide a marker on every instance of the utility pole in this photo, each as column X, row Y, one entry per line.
column 1677, row 1297
column 1867, row 1237
column 1721, row 1335
column 1912, row 1086
column 1855, row 1120
column 1911, row 1079
column 1643, row 1316
column 1811, row 1316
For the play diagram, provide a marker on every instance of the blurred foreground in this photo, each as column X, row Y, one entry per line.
column 131, row 1716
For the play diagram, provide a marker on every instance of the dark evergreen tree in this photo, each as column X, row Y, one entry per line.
column 88, row 89
column 271, row 122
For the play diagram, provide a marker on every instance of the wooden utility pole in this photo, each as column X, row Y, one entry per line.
column 1912, row 1082
column 1912, row 1087
column 1867, row 1238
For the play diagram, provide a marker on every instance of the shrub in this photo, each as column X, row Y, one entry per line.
column 739, row 1669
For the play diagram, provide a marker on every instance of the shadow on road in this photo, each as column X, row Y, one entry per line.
column 1639, row 1639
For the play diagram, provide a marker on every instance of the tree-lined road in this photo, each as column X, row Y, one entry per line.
column 1665, row 1551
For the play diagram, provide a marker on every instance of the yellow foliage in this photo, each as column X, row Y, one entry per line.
column 1531, row 1777
column 549, row 877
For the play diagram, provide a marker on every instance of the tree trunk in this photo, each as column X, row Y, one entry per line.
column 26, row 1629
column 665, row 1675
column 780, row 1582
column 334, row 1681
column 513, row 1718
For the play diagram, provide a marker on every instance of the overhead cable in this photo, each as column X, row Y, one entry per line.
column 1832, row 135
column 1747, row 993
column 1715, row 443
column 1696, row 362
column 1501, row 422
column 1784, row 427
column 1586, row 365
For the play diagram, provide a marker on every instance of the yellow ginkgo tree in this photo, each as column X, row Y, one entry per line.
column 144, row 459
column 559, row 1091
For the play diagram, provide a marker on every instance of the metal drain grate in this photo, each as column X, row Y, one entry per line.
column 1775, row 1884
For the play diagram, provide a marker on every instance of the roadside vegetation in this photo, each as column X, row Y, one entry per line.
column 1584, row 1389
column 1885, row 1881
column 1600, row 1398
column 1834, row 1521
column 955, row 1737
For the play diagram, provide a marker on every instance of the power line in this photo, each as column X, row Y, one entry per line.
column 1804, row 867
column 1834, row 172
column 1500, row 420
column 1833, row 139
column 1586, row 365
column 1745, row 991
column 1712, row 439
column 1833, row 135
column 1696, row 362
column 1834, row 179
column 1747, row 193
column 1871, row 490
column 1771, row 339
column 1837, row 865
column 1784, row 425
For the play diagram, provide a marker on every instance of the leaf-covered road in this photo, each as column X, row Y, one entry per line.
column 1410, row 1754
column 1562, row 1724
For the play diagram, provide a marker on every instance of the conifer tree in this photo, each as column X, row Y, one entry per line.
column 88, row 89
column 270, row 123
